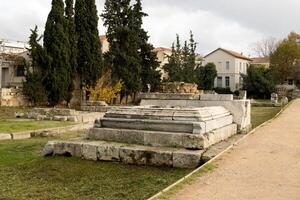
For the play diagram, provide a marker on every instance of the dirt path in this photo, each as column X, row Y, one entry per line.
column 265, row 166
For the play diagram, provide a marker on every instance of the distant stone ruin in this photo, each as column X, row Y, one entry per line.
column 180, row 88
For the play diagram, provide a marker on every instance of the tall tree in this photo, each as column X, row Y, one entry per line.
column 258, row 82
column 149, row 63
column 182, row 62
column 33, row 87
column 265, row 47
column 72, row 42
column 189, row 60
column 89, row 55
column 206, row 76
column 56, row 45
column 285, row 59
column 173, row 67
column 123, row 57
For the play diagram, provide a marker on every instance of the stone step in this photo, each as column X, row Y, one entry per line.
column 166, row 125
column 164, row 139
column 128, row 154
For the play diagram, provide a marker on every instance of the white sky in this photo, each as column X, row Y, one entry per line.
column 231, row 24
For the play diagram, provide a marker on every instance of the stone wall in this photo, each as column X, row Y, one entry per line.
column 12, row 97
column 179, row 88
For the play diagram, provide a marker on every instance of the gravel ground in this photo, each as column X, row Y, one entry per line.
column 265, row 166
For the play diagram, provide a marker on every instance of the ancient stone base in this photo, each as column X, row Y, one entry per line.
column 5, row 136
column 128, row 154
column 163, row 139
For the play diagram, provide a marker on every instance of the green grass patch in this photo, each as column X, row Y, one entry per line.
column 24, row 174
column 259, row 115
column 9, row 112
column 17, row 125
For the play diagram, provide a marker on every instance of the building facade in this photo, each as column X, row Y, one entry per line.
column 12, row 47
column 163, row 58
column 230, row 65
column 12, row 70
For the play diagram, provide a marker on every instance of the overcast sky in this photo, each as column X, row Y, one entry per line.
column 231, row 24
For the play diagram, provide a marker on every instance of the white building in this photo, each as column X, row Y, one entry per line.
column 163, row 58
column 12, row 47
column 230, row 65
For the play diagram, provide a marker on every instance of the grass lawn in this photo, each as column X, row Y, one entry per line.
column 24, row 174
column 9, row 112
column 261, row 114
column 8, row 122
column 17, row 125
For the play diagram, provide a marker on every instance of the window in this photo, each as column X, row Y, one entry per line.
column 219, row 82
column 227, row 81
column 227, row 65
column 20, row 71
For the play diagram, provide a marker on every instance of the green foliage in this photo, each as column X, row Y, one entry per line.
column 72, row 42
column 123, row 57
column 182, row 62
column 104, row 90
column 206, row 76
column 89, row 55
column 149, row 63
column 285, row 59
column 258, row 82
column 58, row 73
column 33, row 88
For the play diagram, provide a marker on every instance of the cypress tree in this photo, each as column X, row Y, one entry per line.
column 89, row 55
column 56, row 45
column 123, row 58
column 182, row 62
column 149, row 63
column 173, row 67
column 71, row 35
column 33, row 87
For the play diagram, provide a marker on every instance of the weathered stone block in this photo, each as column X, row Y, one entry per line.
column 90, row 151
column 5, row 136
column 159, row 157
column 21, row 135
column 187, row 158
column 48, row 149
column 72, row 118
column 109, row 152
column 133, row 155
column 74, row 148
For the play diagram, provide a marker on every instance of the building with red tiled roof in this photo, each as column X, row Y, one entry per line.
column 230, row 65
column 262, row 61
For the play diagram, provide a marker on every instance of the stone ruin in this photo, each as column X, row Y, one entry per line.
column 59, row 114
column 180, row 88
column 161, row 131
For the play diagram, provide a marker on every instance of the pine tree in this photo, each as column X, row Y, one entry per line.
column 58, row 76
column 123, row 58
column 149, row 73
column 89, row 55
column 72, row 42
